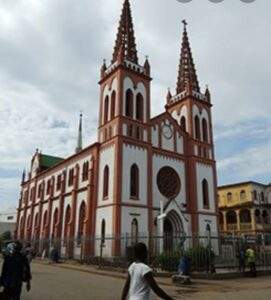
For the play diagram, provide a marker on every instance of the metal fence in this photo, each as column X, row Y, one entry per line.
column 206, row 252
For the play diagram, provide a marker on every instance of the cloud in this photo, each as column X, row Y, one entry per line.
column 50, row 55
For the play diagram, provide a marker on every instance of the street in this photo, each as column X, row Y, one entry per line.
column 53, row 282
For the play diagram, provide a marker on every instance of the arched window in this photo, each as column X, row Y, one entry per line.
column 262, row 196
column 81, row 222
column 36, row 222
column 113, row 105
column 204, row 130
column 139, row 107
column 229, row 196
column 67, row 221
column 183, row 123
column 106, row 105
column 44, row 222
column 129, row 102
column 134, row 232
column 197, row 128
column 103, row 232
column 245, row 216
column 134, row 181
column 231, row 217
column 205, row 193
column 106, row 182
column 243, row 195
column 258, row 216
column 55, row 221
column 29, row 222
column 265, row 216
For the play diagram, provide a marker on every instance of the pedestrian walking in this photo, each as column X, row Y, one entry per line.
column 251, row 261
column 15, row 271
column 140, row 280
column 242, row 259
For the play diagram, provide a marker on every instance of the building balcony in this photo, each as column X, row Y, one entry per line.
column 264, row 227
column 231, row 227
column 245, row 226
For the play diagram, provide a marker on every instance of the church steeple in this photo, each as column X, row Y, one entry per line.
column 187, row 77
column 125, row 46
column 79, row 138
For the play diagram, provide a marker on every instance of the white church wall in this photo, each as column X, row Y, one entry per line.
column 180, row 143
column 107, row 157
column 134, row 155
column 160, row 161
column 205, row 172
column 104, row 213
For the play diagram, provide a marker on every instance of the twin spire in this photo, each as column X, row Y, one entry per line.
column 125, row 43
column 79, row 146
column 187, row 77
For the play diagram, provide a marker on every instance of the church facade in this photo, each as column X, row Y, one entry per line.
column 150, row 175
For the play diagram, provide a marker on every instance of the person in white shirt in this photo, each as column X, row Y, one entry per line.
column 140, row 279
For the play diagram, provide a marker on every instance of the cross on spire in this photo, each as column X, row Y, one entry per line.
column 125, row 41
column 187, row 76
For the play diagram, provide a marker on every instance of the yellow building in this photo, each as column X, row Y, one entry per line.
column 244, row 208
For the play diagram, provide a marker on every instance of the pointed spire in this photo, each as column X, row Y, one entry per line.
column 169, row 96
column 187, row 77
column 125, row 36
column 23, row 176
column 103, row 68
column 208, row 94
column 79, row 138
column 147, row 67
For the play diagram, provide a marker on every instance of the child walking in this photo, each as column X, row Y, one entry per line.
column 140, row 279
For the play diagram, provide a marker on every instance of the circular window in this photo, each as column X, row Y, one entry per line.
column 168, row 182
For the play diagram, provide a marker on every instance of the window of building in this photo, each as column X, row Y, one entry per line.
column 81, row 222
column 44, row 223
column 66, row 223
column 204, row 130
column 197, row 128
column 32, row 194
column 129, row 103
column 58, row 182
column 262, row 196
column 138, row 132
column 255, row 195
column 106, row 105
column 48, row 187
column 85, row 171
column 134, row 232
column 40, row 188
column 9, row 218
column 130, row 130
column 55, row 222
column 265, row 216
column 139, row 107
column 113, row 105
column 183, row 123
column 106, row 182
column 229, row 196
column 134, row 181
column 71, row 176
column 243, row 195
column 205, row 194
column 103, row 232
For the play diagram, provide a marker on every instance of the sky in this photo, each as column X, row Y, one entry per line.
column 50, row 57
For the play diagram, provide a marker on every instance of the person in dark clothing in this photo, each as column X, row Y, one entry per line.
column 15, row 271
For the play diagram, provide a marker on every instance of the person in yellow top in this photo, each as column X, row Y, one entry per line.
column 251, row 260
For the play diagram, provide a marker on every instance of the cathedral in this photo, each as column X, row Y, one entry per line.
column 154, row 176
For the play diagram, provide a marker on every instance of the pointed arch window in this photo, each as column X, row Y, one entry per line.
column 113, row 105
column 106, row 181
column 129, row 103
column 66, row 223
column 183, row 123
column 134, row 231
column 197, row 128
column 134, row 181
column 205, row 194
column 204, row 130
column 44, row 223
column 81, row 222
column 103, row 232
column 55, row 221
column 139, row 107
column 106, row 106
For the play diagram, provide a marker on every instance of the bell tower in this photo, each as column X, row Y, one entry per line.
column 192, row 111
column 125, row 87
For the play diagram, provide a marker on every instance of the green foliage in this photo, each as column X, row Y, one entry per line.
column 200, row 258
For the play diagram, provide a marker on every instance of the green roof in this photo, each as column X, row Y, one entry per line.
column 47, row 161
